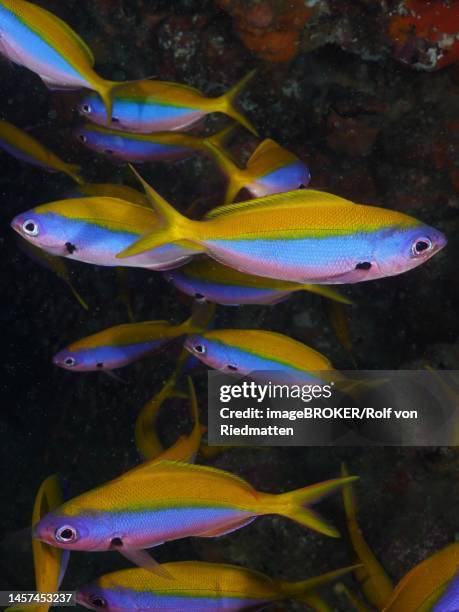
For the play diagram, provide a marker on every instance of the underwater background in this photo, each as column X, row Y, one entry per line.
column 371, row 108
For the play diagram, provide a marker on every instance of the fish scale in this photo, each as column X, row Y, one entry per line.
column 197, row 586
column 35, row 38
column 303, row 236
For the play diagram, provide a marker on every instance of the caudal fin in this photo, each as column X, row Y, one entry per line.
column 304, row 589
column 295, row 504
column 227, row 103
column 105, row 89
column 235, row 176
column 175, row 226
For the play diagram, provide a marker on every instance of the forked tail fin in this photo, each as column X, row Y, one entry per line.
column 295, row 504
column 227, row 103
column 236, row 177
column 175, row 226
column 105, row 90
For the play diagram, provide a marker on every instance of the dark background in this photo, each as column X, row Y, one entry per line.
column 372, row 128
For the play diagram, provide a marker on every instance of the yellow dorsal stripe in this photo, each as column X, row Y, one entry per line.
column 299, row 197
column 52, row 29
column 156, row 467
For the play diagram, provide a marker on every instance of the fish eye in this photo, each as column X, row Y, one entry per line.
column 66, row 534
column 70, row 362
column 97, row 601
column 82, row 137
column 231, row 367
column 199, row 297
column 421, row 245
column 86, row 108
column 199, row 348
column 30, row 228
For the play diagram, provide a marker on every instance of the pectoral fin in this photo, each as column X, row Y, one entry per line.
column 143, row 559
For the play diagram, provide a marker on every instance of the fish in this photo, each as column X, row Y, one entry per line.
column 186, row 447
column 140, row 148
column 94, row 229
column 197, row 586
column 21, row 145
column 270, row 169
column 431, row 586
column 110, row 190
column 207, row 280
column 258, row 352
column 121, row 345
column 53, row 263
column 161, row 501
column 50, row 563
column 149, row 105
column 40, row 41
column 303, row 236
column 371, row 576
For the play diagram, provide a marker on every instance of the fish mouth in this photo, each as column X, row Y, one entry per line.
column 16, row 224
column 442, row 241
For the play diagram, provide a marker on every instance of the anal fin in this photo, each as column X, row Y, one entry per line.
column 227, row 528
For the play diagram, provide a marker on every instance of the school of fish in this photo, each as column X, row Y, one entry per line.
column 272, row 236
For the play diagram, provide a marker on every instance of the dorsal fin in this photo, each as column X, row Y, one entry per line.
column 264, row 148
column 79, row 41
column 46, row 26
column 156, row 466
column 299, row 197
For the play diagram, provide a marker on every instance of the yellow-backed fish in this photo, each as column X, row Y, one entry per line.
column 199, row 587
column 264, row 353
column 161, row 501
column 94, row 229
column 140, row 148
column 207, row 280
column 303, row 236
column 270, row 169
column 121, row 345
column 21, row 145
column 148, row 106
column 35, row 38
